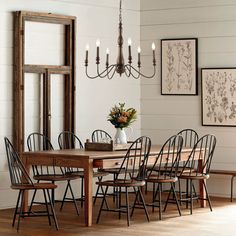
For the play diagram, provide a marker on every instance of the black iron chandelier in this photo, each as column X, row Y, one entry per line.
column 119, row 67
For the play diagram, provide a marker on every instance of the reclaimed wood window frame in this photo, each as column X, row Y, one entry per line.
column 20, row 68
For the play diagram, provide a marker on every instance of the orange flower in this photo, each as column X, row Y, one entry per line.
column 122, row 119
column 125, row 113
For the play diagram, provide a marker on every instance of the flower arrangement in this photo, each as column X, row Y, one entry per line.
column 121, row 117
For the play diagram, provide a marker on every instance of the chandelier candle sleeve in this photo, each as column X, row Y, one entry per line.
column 86, row 56
column 107, row 57
column 129, row 48
column 139, row 60
column 153, row 52
column 98, row 45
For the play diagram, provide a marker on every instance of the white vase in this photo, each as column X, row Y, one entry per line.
column 120, row 136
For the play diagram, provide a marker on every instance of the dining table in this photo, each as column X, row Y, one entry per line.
column 88, row 160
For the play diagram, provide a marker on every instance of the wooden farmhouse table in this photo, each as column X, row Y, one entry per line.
column 88, row 160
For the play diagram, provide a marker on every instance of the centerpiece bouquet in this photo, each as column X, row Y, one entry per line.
column 121, row 118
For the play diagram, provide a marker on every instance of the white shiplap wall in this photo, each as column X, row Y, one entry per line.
column 213, row 22
column 95, row 19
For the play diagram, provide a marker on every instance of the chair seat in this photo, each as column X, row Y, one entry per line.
column 161, row 179
column 122, row 183
column 194, row 176
column 115, row 170
column 57, row 177
column 34, row 186
column 169, row 169
column 95, row 173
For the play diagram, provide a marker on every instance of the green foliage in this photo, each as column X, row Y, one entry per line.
column 121, row 117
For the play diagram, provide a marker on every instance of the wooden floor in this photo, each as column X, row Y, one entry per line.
column 222, row 221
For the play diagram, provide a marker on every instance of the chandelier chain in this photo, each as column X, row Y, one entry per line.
column 120, row 16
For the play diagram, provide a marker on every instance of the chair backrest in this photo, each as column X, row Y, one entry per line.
column 99, row 135
column 134, row 163
column 68, row 140
column 199, row 161
column 167, row 161
column 39, row 142
column 190, row 137
column 18, row 173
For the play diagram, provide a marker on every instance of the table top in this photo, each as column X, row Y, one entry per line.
column 82, row 153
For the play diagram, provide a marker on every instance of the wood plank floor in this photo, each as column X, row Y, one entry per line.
column 220, row 222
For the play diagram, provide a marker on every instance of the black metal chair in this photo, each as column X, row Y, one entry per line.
column 131, row 174
column 99, row 135
column 190, row 138
column 164, row 171
column 39, row 142
column 20, row 180
column 68, row 140
column 200, row 162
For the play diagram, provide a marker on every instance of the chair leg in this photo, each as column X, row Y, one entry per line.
column 103, row 201
column 114, row 188
column 153, row 196
column 82, row 192
column 97, row 191
column 180, row 192
column 176, row 199
column 73, row 197
column 187, row 194
column 207, row 195
column 168, row 198
column 232, row 188
column 127, row 206
column 191, row 197
column 135, row 201
column 33, row 197
column 21, row 209
column 144, row 204
column 53, row 194
column 160, row 204
column 46, row 203
column 52, row 209
column 119, row 196
column 17, row 205
column 64, row 197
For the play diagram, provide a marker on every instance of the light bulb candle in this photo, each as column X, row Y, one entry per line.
column 98, row 45
column 107, row 58
column 129, row 48
column 139, row 61
column 86, row 54
column 153, row 52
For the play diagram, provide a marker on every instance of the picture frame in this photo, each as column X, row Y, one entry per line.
column 218, row 96
column 179, row 66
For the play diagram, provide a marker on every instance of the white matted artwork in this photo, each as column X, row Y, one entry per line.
column 179, row 66
column 219, row 96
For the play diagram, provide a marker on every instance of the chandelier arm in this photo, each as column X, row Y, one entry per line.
column 129, row 70
column 90, row 77
column 131, row 73
column 98, row 75
column 113, row 73
column 105, row 71
column 145, row 76
column 128, row 66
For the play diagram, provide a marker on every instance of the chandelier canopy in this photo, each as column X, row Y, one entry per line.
column 120, row 66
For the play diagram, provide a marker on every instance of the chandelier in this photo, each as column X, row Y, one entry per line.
column 120, row 66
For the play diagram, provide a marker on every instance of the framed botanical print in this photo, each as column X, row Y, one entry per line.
column 179, row 66
column 219, row 96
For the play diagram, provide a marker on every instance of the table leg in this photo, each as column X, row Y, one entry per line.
column 202, row 191
column 88, row 183
column 26, row 193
